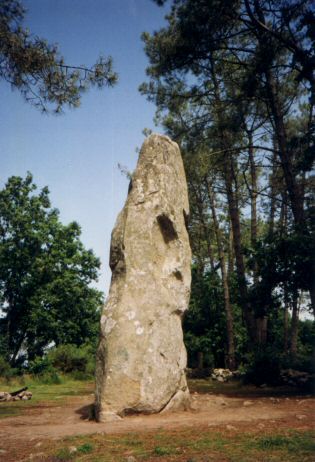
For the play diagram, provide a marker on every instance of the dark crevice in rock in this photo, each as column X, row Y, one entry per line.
column 178, row 312
column 167, row 228
column 117, row 259
column 165, row 405
column 186, row 219
column 178, row 275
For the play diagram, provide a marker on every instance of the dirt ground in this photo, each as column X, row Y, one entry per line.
column 21, row 434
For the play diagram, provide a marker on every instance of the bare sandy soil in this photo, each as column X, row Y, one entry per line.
column 20, row 434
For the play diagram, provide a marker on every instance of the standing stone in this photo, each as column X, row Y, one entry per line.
column 141, row 357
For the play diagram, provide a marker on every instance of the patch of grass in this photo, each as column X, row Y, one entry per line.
column 208, row 442
column 85, row 448
column 271, row 442
column 42, row 392
column 64, row 454
column 292, row 442
column 161, row 451
column 196, row 445
column 51, row 378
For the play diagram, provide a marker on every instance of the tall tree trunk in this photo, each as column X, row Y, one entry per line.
column 294, row 326
column 261, row 330
column 277, row 116
column 200, row 360
column 240, row 266
column 253, row 194
column 232, row 198
column 226, row 290
column 294, row 187
column 285, row 159
column 17, row 349
column 283, row 222
column 262, row 320
column 273, row 193
column 230, row 253
column 205, row 228
column 286, row 327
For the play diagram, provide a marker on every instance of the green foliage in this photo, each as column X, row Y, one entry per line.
column 50, row 378
column 38, row 71
column 203, row 325
column 307, row 338
column 291, row 442
column 70, row 358
column 64, row 454
column 200, row 444
column 161, row 451
column 39, row 365
column 85, row 448
column 79, row 362
column 233, row 83
column 284, row 261
column 6, row 371
column 199, row 344
column 45, row 274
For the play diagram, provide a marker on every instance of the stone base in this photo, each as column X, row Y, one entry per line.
column 108, row 417
column 179, row 402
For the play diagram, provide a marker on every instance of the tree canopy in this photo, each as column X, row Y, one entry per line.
column 233, row 82
column 36, row 68
column 45, row 273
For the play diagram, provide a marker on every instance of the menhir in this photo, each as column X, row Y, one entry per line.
column 141, row 357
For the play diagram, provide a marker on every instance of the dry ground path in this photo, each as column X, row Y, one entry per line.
column 24, row 434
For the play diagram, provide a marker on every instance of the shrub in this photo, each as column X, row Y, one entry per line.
column 195, row 345
column 73, row 359
column 50, row 378
column 6, row 370
column 40, row 365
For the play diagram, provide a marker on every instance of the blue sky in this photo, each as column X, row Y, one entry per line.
column 76, row 154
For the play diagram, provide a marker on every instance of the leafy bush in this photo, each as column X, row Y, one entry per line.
column 6, row 370
column 40, row 365
column 73, row 359
column 50, row 378
column 195, row 345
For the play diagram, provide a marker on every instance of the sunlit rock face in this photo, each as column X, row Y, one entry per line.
column 141, row 357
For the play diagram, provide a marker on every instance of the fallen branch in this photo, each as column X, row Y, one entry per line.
column 14, row 393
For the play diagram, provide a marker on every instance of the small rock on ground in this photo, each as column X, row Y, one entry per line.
column 231, row 427
column 248, row 403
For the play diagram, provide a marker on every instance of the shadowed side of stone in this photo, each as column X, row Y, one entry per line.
column 141, row 357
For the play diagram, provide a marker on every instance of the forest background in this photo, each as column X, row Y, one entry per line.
column 233, row 84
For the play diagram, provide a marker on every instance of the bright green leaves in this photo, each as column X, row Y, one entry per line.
column 45, row 273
